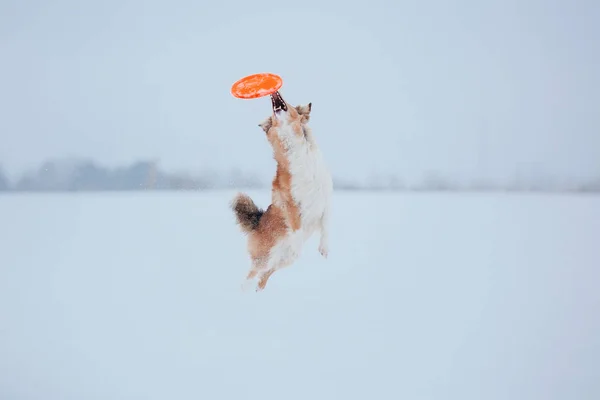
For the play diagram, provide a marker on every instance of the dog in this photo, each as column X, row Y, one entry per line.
column 300, row 196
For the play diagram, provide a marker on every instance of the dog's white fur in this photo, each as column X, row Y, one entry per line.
column 311, row 189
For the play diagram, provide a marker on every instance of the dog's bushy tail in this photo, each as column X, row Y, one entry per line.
column 246, row 212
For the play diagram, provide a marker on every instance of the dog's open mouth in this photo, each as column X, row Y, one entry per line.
column 278, row 103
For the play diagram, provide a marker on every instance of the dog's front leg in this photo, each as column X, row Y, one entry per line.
column 324, row 242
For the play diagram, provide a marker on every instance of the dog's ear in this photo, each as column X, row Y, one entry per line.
column 266, row 125
column 304, row 112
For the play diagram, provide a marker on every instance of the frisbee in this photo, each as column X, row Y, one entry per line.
column 256, row 85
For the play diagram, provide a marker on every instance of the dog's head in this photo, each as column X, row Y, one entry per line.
column 284, row 113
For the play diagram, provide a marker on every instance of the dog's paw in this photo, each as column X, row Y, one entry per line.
column 324, row 250
column 260, row 287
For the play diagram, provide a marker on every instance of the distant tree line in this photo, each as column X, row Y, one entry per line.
column 85, row 175
column 438, row 183
column 68, row 175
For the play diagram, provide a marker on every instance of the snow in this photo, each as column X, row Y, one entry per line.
column 424, row 296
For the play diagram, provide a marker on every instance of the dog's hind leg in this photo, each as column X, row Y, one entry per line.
column 257, row 266
column 262, row 282
column 284, row 262
column 252, row 274
column 249, row 278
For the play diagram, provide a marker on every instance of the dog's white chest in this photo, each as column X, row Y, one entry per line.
column 311, row 184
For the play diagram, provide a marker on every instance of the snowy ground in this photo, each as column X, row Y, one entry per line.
column 424, row 296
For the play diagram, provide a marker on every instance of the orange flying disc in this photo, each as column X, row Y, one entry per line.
column 257, row 85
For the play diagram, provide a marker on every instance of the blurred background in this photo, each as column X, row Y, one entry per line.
column 416, row 95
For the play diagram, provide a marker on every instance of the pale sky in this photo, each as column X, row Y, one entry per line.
column 473, row 89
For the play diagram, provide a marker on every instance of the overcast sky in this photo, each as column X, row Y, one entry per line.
column 470, row 88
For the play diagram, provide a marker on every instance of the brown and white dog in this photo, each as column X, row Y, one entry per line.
column 301, row 194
